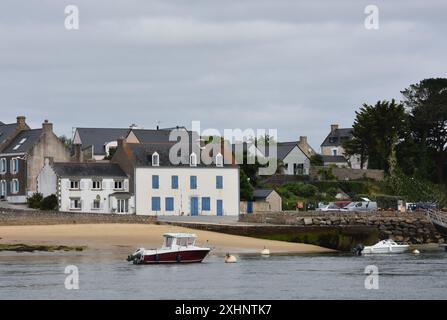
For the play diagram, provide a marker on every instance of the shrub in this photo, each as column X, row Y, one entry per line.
column 49, row 203
column 35, row 200
column 301, row 189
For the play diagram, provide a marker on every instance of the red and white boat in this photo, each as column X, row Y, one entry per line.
column 177, row 248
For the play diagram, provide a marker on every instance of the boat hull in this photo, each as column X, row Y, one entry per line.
column 394, row 249
column 189, row 256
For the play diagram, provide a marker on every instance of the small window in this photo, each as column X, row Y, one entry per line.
column 97, row 184
column 169, row 204
column 174, row 182
column 3, row 166
column 118, row 185
column 155, row 159
column 334, row 152
column 155, row 182
column 96, row 204
column 155, row 203
column 15, row 186
column 16, row 147
column 75, row 204
column 206, row 204
column 193, row 160
column 219, row 160
column 14, row 165
column 219, row 182
column 22, row 141
column 74, row 184
column 193, row 182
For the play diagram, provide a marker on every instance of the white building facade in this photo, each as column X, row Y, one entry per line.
column 87, row 187
column 183, row 190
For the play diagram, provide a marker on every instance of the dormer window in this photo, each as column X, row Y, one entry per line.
column 193, row 160
column 219, row 160
column 155, row 159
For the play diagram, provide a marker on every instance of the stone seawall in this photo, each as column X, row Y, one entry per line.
column 414, row 228
column 11, row 217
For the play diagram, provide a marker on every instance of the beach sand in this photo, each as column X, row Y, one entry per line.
column 127, row 237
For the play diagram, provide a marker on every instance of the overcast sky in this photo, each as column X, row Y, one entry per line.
column 296, row 66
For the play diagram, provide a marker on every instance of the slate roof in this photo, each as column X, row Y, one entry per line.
column 6, row 130
column 25, row 140
column 98, row 137
column 160, row 135
column 333, row 159
column 336, row 137
column 143, row 154
column 93, row 169
column 261, row 193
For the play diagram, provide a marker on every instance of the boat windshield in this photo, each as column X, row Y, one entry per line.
column 168, row 242
column 184, row 242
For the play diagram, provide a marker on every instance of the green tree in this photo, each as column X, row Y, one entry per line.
column 317, row 160
column 246, row 189
column 376, row 132
column 426, row 103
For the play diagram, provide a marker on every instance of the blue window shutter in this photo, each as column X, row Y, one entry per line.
column 174, row 182
column 155, row 203
column 10, row 166
column 206, row 203
column 155, row 182
column 219, row 182
column 169, row 204
column 17, row 165
column 193, row 182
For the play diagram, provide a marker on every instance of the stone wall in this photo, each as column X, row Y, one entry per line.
column 10, row 217
column 414, row 228
column 348, row 173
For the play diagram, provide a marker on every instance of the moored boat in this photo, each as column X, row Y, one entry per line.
column 385, row 246
column 177, row 248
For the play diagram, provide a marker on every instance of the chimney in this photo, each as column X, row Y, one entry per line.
column 47, row 127
column 303, row 139
column 78, row 155
column 121, row 142
column 334, row 127
column 21, row 125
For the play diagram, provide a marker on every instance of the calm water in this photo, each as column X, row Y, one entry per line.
column 108, row 276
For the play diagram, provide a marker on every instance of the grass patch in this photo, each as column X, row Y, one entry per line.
column 20, row 247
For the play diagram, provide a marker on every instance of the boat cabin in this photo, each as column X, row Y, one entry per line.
column 179, row 240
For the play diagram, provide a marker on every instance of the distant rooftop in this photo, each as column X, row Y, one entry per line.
column 91, row 169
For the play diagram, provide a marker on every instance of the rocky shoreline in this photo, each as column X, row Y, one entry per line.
column 413, row 228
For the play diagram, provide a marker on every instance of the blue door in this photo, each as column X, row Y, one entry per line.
column 194, row 206
column 249, row 206
column 220, row 207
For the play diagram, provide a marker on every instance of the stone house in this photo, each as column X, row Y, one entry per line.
column 22, row 157
column 264, row 200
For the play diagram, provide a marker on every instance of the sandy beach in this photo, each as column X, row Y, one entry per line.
column 125, row 237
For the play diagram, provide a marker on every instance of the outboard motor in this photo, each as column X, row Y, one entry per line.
column 136, row 256
column 357, row 250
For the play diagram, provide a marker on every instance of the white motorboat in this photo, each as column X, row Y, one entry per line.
column 385, row 246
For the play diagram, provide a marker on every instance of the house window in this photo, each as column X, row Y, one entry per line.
column 75, row 204
column 193, row 182
column 169, row 204
column 334, row 152
column 96, row 204
column 2, row 188
column 97, row 184
column 74, row 184
column 219, row 182
column 193, row 160
column 155, row 159
column 122, row 205
column 155, row 182
column 206, row 204
column 155, row 203
column 118, row 184
column 174, row 182
column 3, row 166
column 333, row 139
column 14, row 165
column 15, row 186
column 219, row 160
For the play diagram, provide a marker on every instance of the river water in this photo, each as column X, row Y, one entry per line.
column 316, row 276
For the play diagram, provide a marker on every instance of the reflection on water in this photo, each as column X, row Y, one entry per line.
column 109, row 276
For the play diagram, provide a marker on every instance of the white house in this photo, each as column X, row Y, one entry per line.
column 187, row 188
column 87, row 187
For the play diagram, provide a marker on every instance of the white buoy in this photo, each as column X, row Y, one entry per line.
column 416, row 251
column 265, row 252
column 230, row 258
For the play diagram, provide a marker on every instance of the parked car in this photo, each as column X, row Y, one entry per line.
column 330, row 207
column 364, row 206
